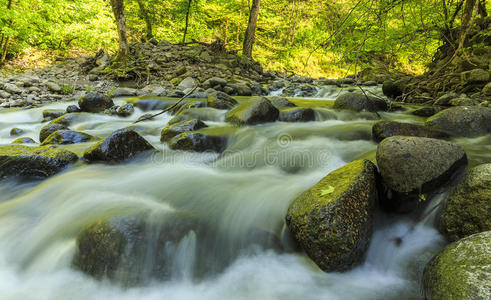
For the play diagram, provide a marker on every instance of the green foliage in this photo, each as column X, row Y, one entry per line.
column 67, row 89
column 313, row 37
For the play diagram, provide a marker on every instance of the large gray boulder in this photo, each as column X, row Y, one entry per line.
column 95, row 102
column 24, row 161
column 462, row 121
column 467, row 208
column 462, row 270
column 360, row 102
column 48, row 129
column 256, row 111
column 119, row 146
column 411, row 166
column 221, row 100
column 385, row 129
column 332, row 221
column 297, row 114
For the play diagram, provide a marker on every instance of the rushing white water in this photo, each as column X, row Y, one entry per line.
column 247, row 188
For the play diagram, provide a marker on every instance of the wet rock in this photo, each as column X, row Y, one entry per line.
column 187, row 83
column 53, row 87
column 73, row 109
column 198, row 142
column 281, row 102
column 151, row 104
column 68, row 119
column 221, row 100
column 16, row 131
column 427, row 111
column 175, row 129
column 215, row 81
column 360, row 102
column 132, row 249
column 24, row 140
column 126, row 110
column 462, row 270
column 332, row 221
column 124, row 92
column 48, row 129
column 411, row 166
column 462, row 121
column 297, row 114
column 393, row 89
column 191, row 114
column 65, row 137
column 119, row 146
column 12, row 88
column 256, row 111
column 50, row 114
column 385, row 129
column 95, row 102
column 112, row 111
column 24, row 161
column 475, row 76
column 486, row 90
column 185, row 105
column 467, row 208
column 445, row 99
column 463, row 101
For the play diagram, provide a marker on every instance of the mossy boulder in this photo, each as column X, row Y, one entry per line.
column 411, row 166
column 198, row 142
column 51, row 114
column 462, row 270
column 467, row 208
column 475, row 76
column 95, row 102
column 393, row 89
column 65, row 137
column 121, row 145
column 332, row 221
column 360, row 102
column 462, row 121
column 221, row 100
column 256, row 111
column 202, row 114
column 126, row 110
column 175, row 129
column 24, row 161
column 185, row 105
column 48, row 129
column 69, row 119
column 131, row 249
column 24, row 140
column 16, row 131
column 385, row 129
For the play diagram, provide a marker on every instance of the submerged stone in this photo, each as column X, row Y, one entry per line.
column 119, row 146
column 256, row 111
column 24, row 140
column 175, row 129
column 297, row 114
column 198, row 142
column 24, row 161
column 385, row 129
column 332, row 221
column 64, row 137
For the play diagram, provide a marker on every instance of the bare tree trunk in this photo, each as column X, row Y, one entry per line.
column 250, row 34
column 146, row 18
column 469, row 7
column 187, row 21
column 118, row 11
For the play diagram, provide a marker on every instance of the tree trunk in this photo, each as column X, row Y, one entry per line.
column 469, row 7
column 250, row 34
column 187, row 21
column 4, row 44
column 146, row 18
column 118, row 11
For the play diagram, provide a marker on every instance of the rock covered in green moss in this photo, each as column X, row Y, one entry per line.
column 131, row 249
column 16, row 131
column 126, row 110
column 95, row 102
column 24, row 140
column 393, row 89
column 414, row 165
column 462, row 270
column 221, row 100
column 17, row 160
column 175, row 129
column 281, row 102
column 360, row 102
column 69, row 119
column 332, row 221
column 467, row 208
column 256, row 111
column 118, row 146
column 385, row 129
column 48, row 129
column 65, row 137
column 51, row 114
column 297, row 114
column 462, row 121
column 198, row 142
column 427, row 111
